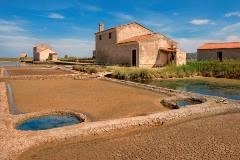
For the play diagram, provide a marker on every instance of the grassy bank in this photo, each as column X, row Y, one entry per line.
column 76, row 59
column 227, row 69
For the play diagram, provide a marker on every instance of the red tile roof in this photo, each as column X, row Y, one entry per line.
column 137, row 38
column 220, row 45
column 167, row 49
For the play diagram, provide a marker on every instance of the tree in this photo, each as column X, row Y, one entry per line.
column 66, row 56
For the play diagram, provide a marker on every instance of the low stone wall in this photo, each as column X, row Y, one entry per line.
column 1, row 72
column 91, row 130
column 40, row 77
column 4, row 105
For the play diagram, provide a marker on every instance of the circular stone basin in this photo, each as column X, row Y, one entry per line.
column 48, row 122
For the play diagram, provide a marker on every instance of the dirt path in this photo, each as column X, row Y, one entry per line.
column 208, row 138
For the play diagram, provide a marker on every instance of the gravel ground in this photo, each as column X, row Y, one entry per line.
column 98, row 99
column 214, row 137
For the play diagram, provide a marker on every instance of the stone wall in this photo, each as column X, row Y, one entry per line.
column 181, row 57
column 132, row 30
column 150, row 54
column 211, row 54
column 110, row 53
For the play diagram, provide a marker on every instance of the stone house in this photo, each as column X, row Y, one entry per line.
column 44, row 52
column 219, row 51
column 134, row 45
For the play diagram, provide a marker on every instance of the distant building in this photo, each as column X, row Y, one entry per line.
column 134, row 45
column 219, row 51
column 23, row 56
column 44, row 52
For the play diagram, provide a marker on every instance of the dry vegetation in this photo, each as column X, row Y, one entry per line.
column 225, row 69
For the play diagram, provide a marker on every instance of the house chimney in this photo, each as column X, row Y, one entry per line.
column 101, row 27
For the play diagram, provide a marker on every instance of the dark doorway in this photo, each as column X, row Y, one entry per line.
column 219, row 56
column 134, row 57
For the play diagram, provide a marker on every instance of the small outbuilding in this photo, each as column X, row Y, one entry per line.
column 219, row 51
column 44, row 52
column 135, row 45
column 23, row 56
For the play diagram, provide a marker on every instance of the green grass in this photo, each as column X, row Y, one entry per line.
column 90, row 68
column 130, row 73
column 76, row 59
column 226, row 69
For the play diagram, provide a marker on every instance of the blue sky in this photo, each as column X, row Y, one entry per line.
column 70, row 25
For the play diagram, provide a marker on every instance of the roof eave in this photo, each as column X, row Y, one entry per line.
column 128, row 43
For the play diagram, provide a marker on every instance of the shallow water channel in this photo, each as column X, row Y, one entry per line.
column 9, row 64
column 3, row 64
column 227, row 90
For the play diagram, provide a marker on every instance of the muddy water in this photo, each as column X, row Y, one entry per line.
column 227, row 90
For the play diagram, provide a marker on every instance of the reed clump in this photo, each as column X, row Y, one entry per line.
column 226, row 69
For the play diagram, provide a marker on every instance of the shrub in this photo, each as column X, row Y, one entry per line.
column 225, row 69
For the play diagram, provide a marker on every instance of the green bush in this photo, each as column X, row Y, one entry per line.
column 130, row 73
column 88, row 68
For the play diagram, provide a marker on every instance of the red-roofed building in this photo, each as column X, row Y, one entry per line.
column 134, row 45
column 219, row 51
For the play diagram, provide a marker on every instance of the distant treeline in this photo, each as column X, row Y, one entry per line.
column 77, row 59
column 9, row 59
column 191, row 56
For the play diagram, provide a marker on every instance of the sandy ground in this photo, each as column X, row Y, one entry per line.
column 208, row 138
column 19, row 71
column 98, row 99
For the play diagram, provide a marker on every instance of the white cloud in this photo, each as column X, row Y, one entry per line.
column 176, row 14
column 201, row 22
column 92, row 8
column 152, row 23
column 155, row 25
column 233, row 38
column 55, row 16
column 71, row 46
column 232, row 14
column 10, row 26
column 89, row 7
column 230, row 28
column 123, row 16
column 191, row 44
